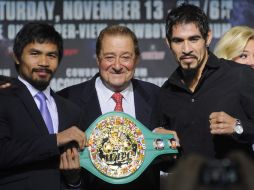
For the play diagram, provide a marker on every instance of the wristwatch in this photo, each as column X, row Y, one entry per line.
column 238, row 128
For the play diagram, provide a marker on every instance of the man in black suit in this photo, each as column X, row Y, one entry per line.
column 117, row 57
column 31, row 138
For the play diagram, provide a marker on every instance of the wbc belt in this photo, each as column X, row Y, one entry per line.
column 120, row 148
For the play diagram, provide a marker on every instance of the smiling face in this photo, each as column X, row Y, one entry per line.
column 247, row 56
column 38, row 63
column 188, row 45
column 117, row 61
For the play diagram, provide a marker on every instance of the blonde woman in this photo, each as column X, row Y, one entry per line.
column 237, row 44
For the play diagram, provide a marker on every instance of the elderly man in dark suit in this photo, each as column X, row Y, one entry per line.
column 35, row 123
column 117, row 57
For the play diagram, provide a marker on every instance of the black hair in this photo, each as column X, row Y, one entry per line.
column 187, row 13
column 36, row 32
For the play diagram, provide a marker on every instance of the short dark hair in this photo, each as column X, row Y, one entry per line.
column 36, row 32
column 117, row 30
column 187, row 13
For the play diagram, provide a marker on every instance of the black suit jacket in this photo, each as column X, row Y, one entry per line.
column 4, row 79
column 145, row 95
column 29, row 156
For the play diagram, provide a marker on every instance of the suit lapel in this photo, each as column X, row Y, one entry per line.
column 141, row 101
column 90, row 102
column 25, row 96
column 60, row 111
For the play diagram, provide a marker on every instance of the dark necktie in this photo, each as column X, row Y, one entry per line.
column 117, row 97
column 45, row 111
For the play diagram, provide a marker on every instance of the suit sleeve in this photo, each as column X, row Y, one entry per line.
column 246, row 91
column 157, row 117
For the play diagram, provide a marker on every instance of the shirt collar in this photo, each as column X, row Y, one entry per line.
column 108, row 93
column 212, row 62
column 33, row 90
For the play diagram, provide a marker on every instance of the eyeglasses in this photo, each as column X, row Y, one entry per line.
column 124, row 59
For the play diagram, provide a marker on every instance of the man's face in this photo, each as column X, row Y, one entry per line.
column 188, row 46
column 174, row 144
column 38, row 64
column 117, row 61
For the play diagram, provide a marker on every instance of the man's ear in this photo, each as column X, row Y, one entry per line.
column 137, row 59
column 168, row 43
column 15, row 59
column 98, row 61
column 209, row 38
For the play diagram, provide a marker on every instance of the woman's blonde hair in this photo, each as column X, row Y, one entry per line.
column 233, row 42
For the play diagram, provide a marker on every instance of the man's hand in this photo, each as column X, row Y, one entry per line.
column 70, row 159
column 70, row 166
column 221, row 123
column 71, row 134
column 162, row 130
column 4, row 85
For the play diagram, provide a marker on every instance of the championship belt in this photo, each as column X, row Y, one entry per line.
column 120, row 148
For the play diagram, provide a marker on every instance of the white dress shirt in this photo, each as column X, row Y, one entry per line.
column 107, row 104
column 49, row 101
